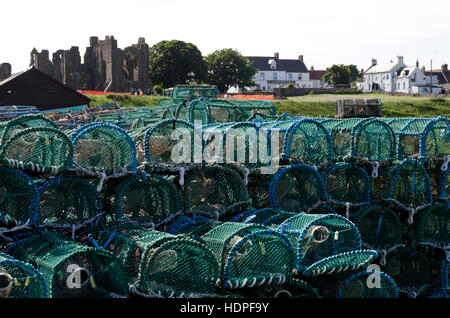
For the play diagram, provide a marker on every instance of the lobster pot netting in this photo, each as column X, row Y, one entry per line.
column 357, row 286
column 258, row 189
column 410, row 269
column 103, row 147
column 38, row 149
column 410, row 188
column 71, row 269
column 347, row 185
column 172, row 142
column 444, row 185
column 19, row 198
column 380, row 228
column 435, row 141
column 297, row 188
column 341, row 133
column 146, row 200
column 308, row 141
column 69, row 204
column 268, row 217
column 18, row 124
column 213, row 191
column 433, row 228
column 250, row 255
column 20, row 280
column 373, row 140
column 325, row 244
column 180, row 267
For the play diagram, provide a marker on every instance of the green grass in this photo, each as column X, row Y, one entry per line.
column 124, row 100
column 316, row 105
column 393, row 106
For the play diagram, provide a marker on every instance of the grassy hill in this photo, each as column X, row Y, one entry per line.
column 316, row 105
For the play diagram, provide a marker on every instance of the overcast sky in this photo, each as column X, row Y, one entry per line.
column 325, row 32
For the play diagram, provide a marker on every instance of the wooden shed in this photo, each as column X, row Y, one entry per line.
column 35, row 88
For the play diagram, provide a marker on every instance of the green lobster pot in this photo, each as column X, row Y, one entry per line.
column 18, row 124
column 410, row 269
column 267, row 217
column 250, row 255
column 70, row 204
column 103, row 148
column 297, row 188
column 213, row 191
column 368, row 284
column 20, row 280
column 325, row 244
column 146, row 200
column 159, row 264
column 19, row 199
column 72, row 270
column 380, row 228
column 172, row 142
column 433, row 227
column 410, row 188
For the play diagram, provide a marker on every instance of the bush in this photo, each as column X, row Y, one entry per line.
column 159, row 89
column 290, row 85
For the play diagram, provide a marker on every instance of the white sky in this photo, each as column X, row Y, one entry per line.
column 326, row 32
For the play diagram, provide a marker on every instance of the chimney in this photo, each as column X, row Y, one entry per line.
column 423, row 69
column 400, row 59
column 300, row 58
column 374, row 62
column 417, row 63
column 445, row 68
column 311, row 69
column 276, row 55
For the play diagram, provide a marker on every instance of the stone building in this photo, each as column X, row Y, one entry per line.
column 106, row 67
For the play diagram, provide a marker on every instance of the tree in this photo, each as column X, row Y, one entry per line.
column 341, row 74
column 227, row 67
column 175, row 62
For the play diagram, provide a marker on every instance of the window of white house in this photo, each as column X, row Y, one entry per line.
column 290, row 76
column 299, row 76
column 387, row 76
column 275, row 76
column 404, row 85
column 262, row 76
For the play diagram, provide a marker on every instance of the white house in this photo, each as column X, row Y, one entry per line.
column 381, row 76
column 408, row 78
column 274, row 72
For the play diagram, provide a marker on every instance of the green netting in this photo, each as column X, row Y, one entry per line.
column 250, row 255
column 69, row 204
column 213, row 191
column 426, row 137
column 433, row 227
column 267, row 217
column 162, row 265
column 218, row 110
column 39, row 149
column 19, row 199
column 258, row 187
column 444, row 185
column 341, row 133
column 357, row 286
column 373, row 140
column 103, row 147
column 410, row 187
column 18, row 124
column 172, row 142
column 308, row 141
column 189, row 92
column 297, row 188
column 20, row 280
column 410, row 269
column 380, row 228
column 71, row 269
column 325, row 244
column 146, row 200
column 347, row 184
